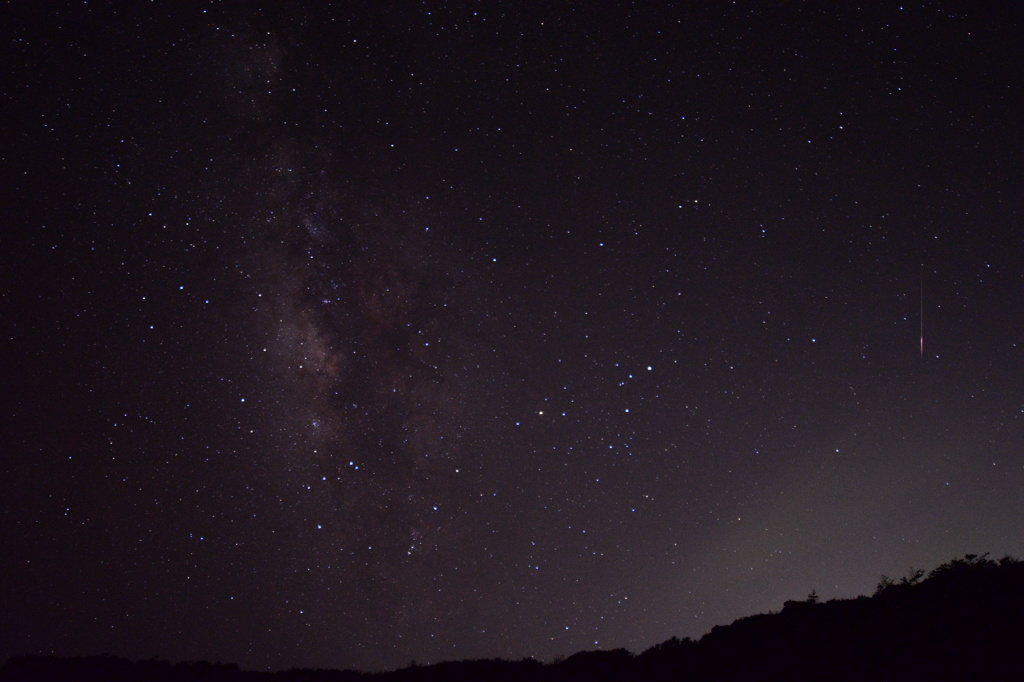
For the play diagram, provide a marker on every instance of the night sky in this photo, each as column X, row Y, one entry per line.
column 342, row 336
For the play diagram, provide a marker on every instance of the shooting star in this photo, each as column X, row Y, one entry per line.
column 921, row 316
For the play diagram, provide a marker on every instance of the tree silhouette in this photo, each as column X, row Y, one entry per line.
column 963, row 620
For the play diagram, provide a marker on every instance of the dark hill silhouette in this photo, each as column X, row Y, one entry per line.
column 962, row 621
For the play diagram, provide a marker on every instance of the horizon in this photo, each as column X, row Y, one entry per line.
column 913, row 579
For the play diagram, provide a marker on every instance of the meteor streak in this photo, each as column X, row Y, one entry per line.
column 921, row 316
